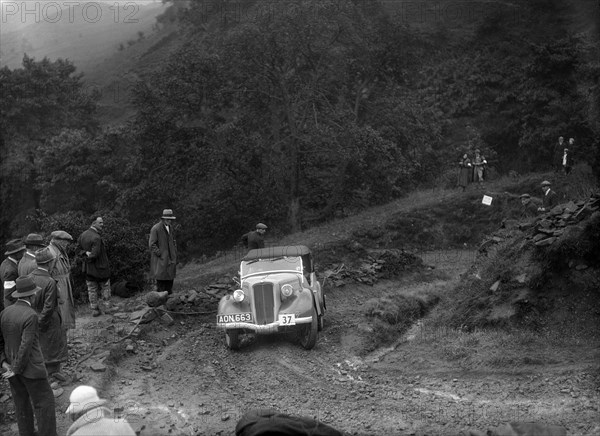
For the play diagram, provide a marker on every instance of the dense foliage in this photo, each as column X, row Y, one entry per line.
column 293, row 113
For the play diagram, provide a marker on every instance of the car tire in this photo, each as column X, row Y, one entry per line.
column 232, row 339
column 308, row 332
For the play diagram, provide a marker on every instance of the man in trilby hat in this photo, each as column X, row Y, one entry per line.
column 33, row 242
column 163, row 252
column 21, row 356
column 9, row 269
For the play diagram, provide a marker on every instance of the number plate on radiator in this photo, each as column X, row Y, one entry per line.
column 234, row 317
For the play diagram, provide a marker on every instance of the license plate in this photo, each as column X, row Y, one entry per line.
column 234, row 317
column 287, row 319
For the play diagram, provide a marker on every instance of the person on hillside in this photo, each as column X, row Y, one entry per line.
column 163, row 252
column 550, row 199
column 53, row 337
column 557, row 154
column 256, row 238
column 528, row 208
column 96, row 266
column 9, row 269
column 60, row 270
column 21, row 356
column 33, row 242
column 478, row 165
column 91, row 418
column 465, row 172
column 567, row 157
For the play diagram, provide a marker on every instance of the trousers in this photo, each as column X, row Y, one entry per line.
column 33, row 397
column 96, row 288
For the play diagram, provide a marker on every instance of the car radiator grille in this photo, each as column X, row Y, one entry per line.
column 264, row 303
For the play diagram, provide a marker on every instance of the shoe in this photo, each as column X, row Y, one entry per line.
column 96, row 312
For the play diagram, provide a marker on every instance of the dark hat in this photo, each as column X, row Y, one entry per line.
column 25, row 287
column 61, row 234
column 546, row 183
column 261, row 226
column 525, row 196
column 14, row 246
column 167, row 214
column 44, row 255
column 34, row 239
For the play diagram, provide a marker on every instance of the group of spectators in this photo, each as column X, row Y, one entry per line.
column 38, row 309
column 471, row 170
column 563, row 156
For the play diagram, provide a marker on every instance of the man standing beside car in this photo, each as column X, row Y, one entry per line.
column 96, row 266
column 163, row 252
column 255, row 239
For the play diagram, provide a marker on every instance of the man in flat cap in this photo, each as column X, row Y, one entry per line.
column 96, row 266
column 33, row 242
column 528, row 208
column 9, row 269
column 550, row 199
column 163, row 252
column 60, row 269
column 255, row 239
column 21, row 357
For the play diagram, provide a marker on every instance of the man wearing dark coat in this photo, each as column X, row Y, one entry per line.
column 27, row 264
column 96, row 266
column 557, row 154
column 53, row 337
column 9, row 269
column 255, row 239
column 21, row 357
column 163, row 252
column 528, row 208
column 550, row 199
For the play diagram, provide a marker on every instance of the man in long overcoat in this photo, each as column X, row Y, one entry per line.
column 60, row 269
column 21, row 357
column 163, row 252
column 53, row 337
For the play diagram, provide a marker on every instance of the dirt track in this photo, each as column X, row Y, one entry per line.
column 200, row 387
column 182, row 380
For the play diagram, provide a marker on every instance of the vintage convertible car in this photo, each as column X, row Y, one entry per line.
column 278, row 291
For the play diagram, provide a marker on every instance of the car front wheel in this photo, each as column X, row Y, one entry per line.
column 232, row 339
column 308, row 332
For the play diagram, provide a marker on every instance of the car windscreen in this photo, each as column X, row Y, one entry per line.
column 284, row 263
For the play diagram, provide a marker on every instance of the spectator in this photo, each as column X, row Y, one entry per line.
column 255, row 239
column 465, row 172
column 557, row 155
column 567, row 157
column 60, row 270
column 478, row 164
column 9, row 269
column 27, row 264
column 163, row 252
column 53, row 337
column 265, row 422
column 550, row 199
column 528, row 209
column 96, row 266
column 91, row 418
column 21, row 356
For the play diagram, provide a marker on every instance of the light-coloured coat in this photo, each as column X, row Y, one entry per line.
column 99, row 421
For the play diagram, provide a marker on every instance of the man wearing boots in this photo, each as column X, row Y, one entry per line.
column 96, row 266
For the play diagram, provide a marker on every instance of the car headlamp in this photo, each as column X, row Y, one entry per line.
column 238, row 295
column 287, row 290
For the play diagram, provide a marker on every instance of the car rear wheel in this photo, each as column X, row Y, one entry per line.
column 308, row 332
column 232, row 339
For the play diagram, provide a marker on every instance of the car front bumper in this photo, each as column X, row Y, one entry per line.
column 262, row 329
